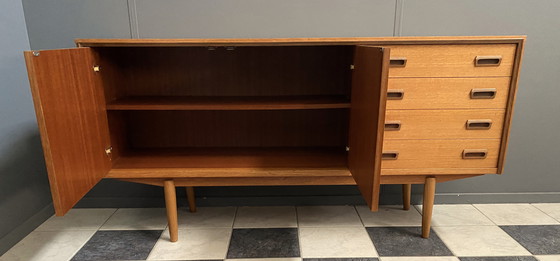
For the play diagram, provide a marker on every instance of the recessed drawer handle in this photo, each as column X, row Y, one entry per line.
column 390, row 155
column 479, row 124
column 395, row 94
column 475, row 154
column 487, row 60
column 397, row 62
column 487, row 93
column 392, row 125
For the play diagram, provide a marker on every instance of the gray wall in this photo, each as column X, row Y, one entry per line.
column 24, row 193
column 531, row 171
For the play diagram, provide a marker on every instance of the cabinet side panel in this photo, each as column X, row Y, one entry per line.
column 71, row 115
column 367, row 117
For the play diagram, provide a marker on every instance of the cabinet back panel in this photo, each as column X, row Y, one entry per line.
column 294, row 128
column 243, row 71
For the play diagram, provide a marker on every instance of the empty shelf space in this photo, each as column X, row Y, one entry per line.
column 229, row 102
column 231, row 162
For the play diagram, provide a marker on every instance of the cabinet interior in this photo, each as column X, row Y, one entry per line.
column 243, row 106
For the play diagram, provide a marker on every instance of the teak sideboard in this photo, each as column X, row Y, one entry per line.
column 258, row 112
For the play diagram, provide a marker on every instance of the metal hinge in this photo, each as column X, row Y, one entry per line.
column 347, row 148
column 351, row 67
column 108, row 151
column 36, row 53
column 96, row 68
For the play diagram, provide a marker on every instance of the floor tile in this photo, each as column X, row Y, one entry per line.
column 137, row 219
column 118, row 245
column 206, row 217
column 420, row 258
column 341, row 259
column 548, row 258
column 78, row 219
column 264, row 243
column 207, row 243
column 457, row 215
column 388, row 216
column 328, row 216
column 335, row 242
column 266, row 217
column 267, row 259
column 499, row 258
column 406, row 241
column 515, row 214
column 48, row 245
column 539, row 240
column 479, row 241
column 551, row 209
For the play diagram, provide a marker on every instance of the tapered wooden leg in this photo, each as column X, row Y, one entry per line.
column 191, row 199
column 171, row 206
column 406, row 196
column 428, row 205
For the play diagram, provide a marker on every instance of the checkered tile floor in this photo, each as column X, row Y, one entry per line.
column 494, row 232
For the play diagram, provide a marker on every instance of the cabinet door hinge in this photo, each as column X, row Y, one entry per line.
column 347, row 148
column 351, row 67
column 96, row 68
column 108, row 151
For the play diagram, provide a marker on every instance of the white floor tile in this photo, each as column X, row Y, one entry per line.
column 323, row 242
column 479, row 241
column 548, row 258
column 551, row 209
column 48, row 245
column 206, row 217
column 328, row 216
column 78, row 219
column 420, row 258
column 265, row 217
column 137, row 219
column 208, row 243
column 515, row 214
column 266, row 259
column 388, row 215
column 457, row 215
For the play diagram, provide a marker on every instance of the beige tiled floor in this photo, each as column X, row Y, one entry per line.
column 137, row 219
column 78, row 219
column 457, row 215
column 331, row 216
column 317, row 242
column 551, row 209
column 266, row 217
column 206, row 217
column 515, row 214
column 207, row 243
column 390, row 215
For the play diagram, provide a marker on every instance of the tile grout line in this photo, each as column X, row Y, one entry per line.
column 298, row 234
column 110, row 216
column 231, row 234
column 558, row 221
column 481, row 212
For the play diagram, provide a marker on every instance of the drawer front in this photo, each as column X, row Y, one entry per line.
column 419, row 154
column 448, row 93
column 444, row 124
column 476, row 60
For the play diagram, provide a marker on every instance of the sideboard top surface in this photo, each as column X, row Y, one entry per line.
column 298, row 41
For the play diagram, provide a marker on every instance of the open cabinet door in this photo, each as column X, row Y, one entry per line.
column 70, row 107
column 367, row 119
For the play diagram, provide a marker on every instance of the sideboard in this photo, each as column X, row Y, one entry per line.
column 261, row 112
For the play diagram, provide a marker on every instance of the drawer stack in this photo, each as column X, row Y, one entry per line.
column 446, row 106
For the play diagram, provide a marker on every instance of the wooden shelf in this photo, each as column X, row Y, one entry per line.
column 231, row 162
column 229, row 103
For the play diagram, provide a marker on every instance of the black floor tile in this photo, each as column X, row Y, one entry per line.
column 406, row 241
column 264, row 243
column 118, row 245
column 539, row 240
column 499, row 258
column 341, row 259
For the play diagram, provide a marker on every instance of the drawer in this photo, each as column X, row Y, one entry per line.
column 420, row 154
column 448, row 93
column 444, row 124
column 476, row 60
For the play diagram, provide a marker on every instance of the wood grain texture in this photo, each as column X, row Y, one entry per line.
column 367, row 118
column 448, row 93
column 438, row 171
column 510, row 105
column 249, row 181
column 69, row 104
column 420, row 179
column 273, row 128
column 451, row 60
column 428, row 205
column 419, row 154
column 406, row 191
column 229, row 103
column 444, row 124
column 171, row 209
column 299, row 41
